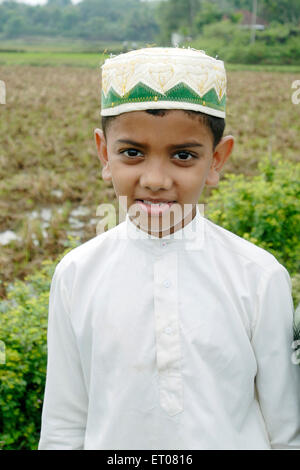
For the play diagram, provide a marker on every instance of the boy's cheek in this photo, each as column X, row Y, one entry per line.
column 212, row 178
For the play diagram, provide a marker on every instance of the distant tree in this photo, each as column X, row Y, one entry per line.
column 70, row 19
column 39, row 15
column 105, row 19
column 94, row 29
column 59, row 3
column 16, row 26
column 139, row 24
column 242, row 4
column 177, row 16
column 282, row 11
column 4, row 16
column 209, row 12
column 55, row 16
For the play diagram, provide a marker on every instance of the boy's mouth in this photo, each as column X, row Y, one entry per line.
column 155, row 201
column 154, row 207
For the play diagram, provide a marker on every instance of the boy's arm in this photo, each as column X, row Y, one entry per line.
column 278, row 378
column 65, row 401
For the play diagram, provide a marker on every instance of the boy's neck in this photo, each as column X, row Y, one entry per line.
column 179, row 226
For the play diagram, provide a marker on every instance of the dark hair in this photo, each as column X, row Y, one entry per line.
column 215, row 124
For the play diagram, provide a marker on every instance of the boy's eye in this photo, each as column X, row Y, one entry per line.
column 132, row 153
column 184, row 156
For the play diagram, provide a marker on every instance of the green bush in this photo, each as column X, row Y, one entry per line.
column 277, row 44
column 274, row 33
column 23, row 331
column 221, row 39
column 296, row 290
column 209, row 13
column 265, row 210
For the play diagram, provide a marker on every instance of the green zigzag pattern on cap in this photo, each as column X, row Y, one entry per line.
column 180, row 92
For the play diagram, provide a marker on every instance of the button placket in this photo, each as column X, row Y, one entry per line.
column 168, row 330
column 168, row 347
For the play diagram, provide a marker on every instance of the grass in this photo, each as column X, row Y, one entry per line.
column 57, row 58
column 54, row 59
column 48, row 158
column 43, row 51
column 264, row 68
column 56, row 52
column 57, row 44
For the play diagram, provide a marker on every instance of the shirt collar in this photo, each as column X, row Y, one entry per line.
column 190, row 237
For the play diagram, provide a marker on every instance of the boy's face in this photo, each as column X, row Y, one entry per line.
column 167, row 158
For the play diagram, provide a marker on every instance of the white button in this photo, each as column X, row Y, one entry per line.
column 168, row 330
column 167, row 283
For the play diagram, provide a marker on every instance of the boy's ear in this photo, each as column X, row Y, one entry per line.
column 220, row 157
column 102, row 154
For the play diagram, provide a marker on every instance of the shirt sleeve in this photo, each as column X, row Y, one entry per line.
column 278, row 378
column 65, row 401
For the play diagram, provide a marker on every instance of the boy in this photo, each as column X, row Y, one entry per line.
column 167, row 331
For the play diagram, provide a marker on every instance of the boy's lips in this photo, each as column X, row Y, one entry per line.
column 154, row 206
column 155, row 200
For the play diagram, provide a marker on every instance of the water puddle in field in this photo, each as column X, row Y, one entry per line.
column 77, row 225
column 7, row 237
column 57, row 193
column 44, row 216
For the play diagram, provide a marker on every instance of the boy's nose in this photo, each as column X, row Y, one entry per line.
column 155, row 178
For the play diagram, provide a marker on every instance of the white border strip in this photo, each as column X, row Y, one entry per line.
column 142, row 106
column 2, row 92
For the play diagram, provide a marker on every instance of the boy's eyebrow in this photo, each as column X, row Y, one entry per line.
column 175, row 146
column 130, row 142
column 187, row 144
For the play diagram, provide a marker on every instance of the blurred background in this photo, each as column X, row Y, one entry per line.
column 268, row 30
column 50, row 177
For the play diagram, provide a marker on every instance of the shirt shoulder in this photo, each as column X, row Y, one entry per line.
column 235, row 247
column 93, row 252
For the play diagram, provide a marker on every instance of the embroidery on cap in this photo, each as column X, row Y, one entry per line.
column 165, row 75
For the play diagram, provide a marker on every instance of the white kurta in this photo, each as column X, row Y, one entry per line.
column 181, row 343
